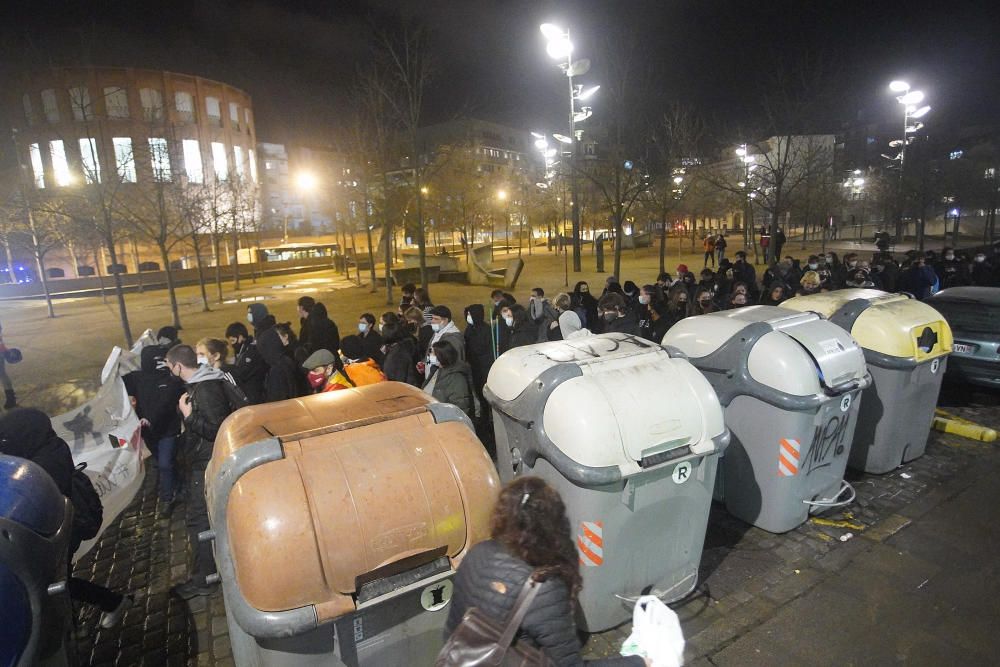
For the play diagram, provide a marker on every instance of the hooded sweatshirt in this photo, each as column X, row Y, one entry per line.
column 478, row 346
column 261, row 319
column 281, row 382
column 323, row 332
column 156, row 393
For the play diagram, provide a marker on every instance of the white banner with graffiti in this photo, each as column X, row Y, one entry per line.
column 105, row 434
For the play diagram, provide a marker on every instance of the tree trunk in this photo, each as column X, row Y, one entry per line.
column 119, row 292
column 368, row 235
column 663, row 242
column 135, row 261
column 10, row 262
column 165, row 258
column 218, row 265
column 387, row 233
column 100, row 274
column 236, row 260
column 618, row 242
column 421, row 241
column 71, row 249
column 201, row 272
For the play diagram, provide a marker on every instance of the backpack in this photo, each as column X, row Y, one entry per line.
column 234, row 395
column 88, row 512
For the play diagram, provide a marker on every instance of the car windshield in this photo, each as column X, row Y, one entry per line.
column 971, row 317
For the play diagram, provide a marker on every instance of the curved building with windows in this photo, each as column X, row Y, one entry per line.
column 87, row 125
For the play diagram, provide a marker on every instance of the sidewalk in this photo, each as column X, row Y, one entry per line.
column 917, row 582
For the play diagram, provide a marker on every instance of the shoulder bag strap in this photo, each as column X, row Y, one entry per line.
column 521, row 606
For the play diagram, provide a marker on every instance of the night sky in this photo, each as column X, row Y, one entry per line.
column 297, row 58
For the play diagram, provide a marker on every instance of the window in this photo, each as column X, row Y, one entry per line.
column 89, row 160
column 37, row 168
column 220, row 161
column 268, row 165
column 234, row 115
column 253, row 164
column 159, row 156
column 29, row 114
column 192, row 161
column 79, row 102
column 152, row 103
column 124, row 160
column 246, row 118
column 50, row 105
column 238, row 161
column 184, row 104
column 60, row 166
column 116, row 102
column 213, row 110
column 955, row 155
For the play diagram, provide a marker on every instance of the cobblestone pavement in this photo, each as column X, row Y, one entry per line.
column 746, row 573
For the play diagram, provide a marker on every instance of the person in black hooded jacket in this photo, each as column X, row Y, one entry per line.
column 261, row 320
column 529, row 525
column 249, row 368
column 399, row 363
column 323, row 332
column 282, row 380
column 155, row 393
column 478, row 346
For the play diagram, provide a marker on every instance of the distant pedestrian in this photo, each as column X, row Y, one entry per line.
column 720, row 246
column 8, row 386
column 708, row 245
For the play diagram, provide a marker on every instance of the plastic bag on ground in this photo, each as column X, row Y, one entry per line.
column 656, row 633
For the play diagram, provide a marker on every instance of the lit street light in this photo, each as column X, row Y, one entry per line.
column 560, row 47
column 908, row 99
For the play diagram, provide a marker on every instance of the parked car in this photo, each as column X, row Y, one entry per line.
column 974, row 316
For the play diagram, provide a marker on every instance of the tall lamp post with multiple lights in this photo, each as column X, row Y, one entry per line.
column 910, row 100
column 559, row 47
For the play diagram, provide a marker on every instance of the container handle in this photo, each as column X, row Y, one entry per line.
column 833, row 502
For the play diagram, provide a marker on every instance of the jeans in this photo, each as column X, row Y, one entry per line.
column 709, row 255
column 196, row 518
column 720, row 254
column 165, row 448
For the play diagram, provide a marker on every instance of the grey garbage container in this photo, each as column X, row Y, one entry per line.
column 906, row 344
column 338, row 521
column 790, row 383
column 630, row 437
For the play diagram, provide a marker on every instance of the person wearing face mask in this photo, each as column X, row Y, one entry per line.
column 212, row 352
column 982, row 271
column 643, row 315
column 743, row 272
column 249, row 368
column 659, row 321
column 737, row 300
column 584, row 304
column 811, row 283
column 690, row 282
column 443, row 329
column 452, row 383
column 542, row 313
column 702, row 303
column 948, row 269
column 918, row 279
column 520, row 329
column 478, row 346
column 499, row 332
column 400, row 352
column 677, row 305
column 203, row 407
column 616, row 315
column 371, row 338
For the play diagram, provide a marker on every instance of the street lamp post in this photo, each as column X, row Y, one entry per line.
column 559, row 47
column 908, row 99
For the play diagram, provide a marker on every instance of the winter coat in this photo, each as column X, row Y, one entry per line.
column 262, row 320
column 525, row 334
column 209, row 408
column 398, row 364
column 585, row 302
column 323, row 333
column 27, row 433
column 478, row 346
column 282, row 380
column 249, row 371
column 490, row 579
column 544, row 314
column 454, row 385
column 424, row 336
column 156, row 393
column 371, row 342
column 659, row 329
column 625, row 324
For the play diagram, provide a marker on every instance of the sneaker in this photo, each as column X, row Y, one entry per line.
column 110, row 619
column 192, row 589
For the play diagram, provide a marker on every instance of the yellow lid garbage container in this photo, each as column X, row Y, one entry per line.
column 906, row 344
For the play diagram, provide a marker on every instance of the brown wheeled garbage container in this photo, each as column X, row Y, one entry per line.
column 338, row 522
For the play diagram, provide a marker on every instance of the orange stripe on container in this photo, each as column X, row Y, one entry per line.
column 788, row 464
column 787, row 446
column 592, row 536
column 591, row 556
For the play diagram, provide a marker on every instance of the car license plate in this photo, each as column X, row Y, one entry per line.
column 962, row 348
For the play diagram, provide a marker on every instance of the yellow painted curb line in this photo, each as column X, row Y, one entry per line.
column 947, row 423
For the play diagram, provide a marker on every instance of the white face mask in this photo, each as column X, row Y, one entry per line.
column 435, row 327
column 381, row 327
column 813, row 265
column 468, row 318
column 509, row 321
column 852, row 264
column 643, row 299
column 250, row 318
column 949, row 257
column 432, row 359
column 980, row 258
column 362, row 327
column 202, row 360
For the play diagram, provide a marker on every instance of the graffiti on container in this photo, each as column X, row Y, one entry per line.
column 829, row 441
column 593, row 348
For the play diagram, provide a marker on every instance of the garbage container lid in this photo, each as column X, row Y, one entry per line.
column 369, row 477
column 800, row 356
column 606, row 415
column 894, row 324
